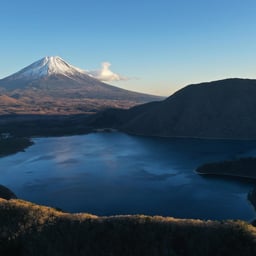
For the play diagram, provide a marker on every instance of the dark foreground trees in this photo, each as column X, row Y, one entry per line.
column 29, row 229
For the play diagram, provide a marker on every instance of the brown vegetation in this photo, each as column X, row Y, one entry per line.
column 46, row 105
column 29, row 229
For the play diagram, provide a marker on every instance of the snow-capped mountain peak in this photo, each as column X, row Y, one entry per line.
column 50, row 65
column 53, row 86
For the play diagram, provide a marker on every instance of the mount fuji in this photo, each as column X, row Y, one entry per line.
column 46, row 67
column 53, row 86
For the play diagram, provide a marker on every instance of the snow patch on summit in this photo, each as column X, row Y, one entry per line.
column 47, row 66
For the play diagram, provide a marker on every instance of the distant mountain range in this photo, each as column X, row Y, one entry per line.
column 52, row 86
column 218, row 109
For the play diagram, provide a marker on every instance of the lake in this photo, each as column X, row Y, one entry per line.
column 115, row 173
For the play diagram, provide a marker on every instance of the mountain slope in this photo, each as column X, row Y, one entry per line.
column 51, row 83
column 219, row 109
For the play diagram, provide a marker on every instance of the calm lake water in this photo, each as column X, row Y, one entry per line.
column 114, row 173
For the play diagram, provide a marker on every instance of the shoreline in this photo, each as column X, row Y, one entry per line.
column 77, row 124
column 14, row 145
column 226, row 175
column 184, row 137
column 243, row 168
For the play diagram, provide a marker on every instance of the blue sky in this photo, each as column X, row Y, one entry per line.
column 160, row 46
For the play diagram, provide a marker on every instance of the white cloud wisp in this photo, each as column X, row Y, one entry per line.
column 105, row 74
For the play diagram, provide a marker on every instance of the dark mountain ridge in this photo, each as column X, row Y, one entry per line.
column 218, row 109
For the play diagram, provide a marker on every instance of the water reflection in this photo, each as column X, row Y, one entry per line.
column 113, row 173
